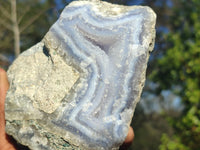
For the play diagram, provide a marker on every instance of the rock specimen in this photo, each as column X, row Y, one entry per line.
column 81, row 83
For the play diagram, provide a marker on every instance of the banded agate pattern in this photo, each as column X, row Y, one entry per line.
column 105, row 48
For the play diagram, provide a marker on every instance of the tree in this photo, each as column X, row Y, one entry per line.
column 16, row 17
column 179, row 71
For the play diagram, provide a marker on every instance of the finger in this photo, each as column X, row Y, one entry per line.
column 130, row 136
column 4, row 85
column 3, row 89
column 128, row 140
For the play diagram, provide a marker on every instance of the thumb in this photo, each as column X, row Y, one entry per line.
column 4, row 85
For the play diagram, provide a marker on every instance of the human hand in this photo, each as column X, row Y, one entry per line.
column 5, row 143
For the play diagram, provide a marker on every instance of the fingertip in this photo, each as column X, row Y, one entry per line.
column 130, row 136
column 129, row 139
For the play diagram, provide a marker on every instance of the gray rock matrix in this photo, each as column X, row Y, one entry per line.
column 82, row 82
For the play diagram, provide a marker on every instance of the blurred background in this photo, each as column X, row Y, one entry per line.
column 168, row 115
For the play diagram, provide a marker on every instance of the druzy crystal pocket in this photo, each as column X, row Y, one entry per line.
column 81, row 83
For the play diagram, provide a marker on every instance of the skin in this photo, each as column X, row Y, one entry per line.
column 5, row 141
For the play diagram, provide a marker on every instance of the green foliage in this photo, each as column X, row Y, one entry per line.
column 148, row 130
column 180, row 67
column 172, row 144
